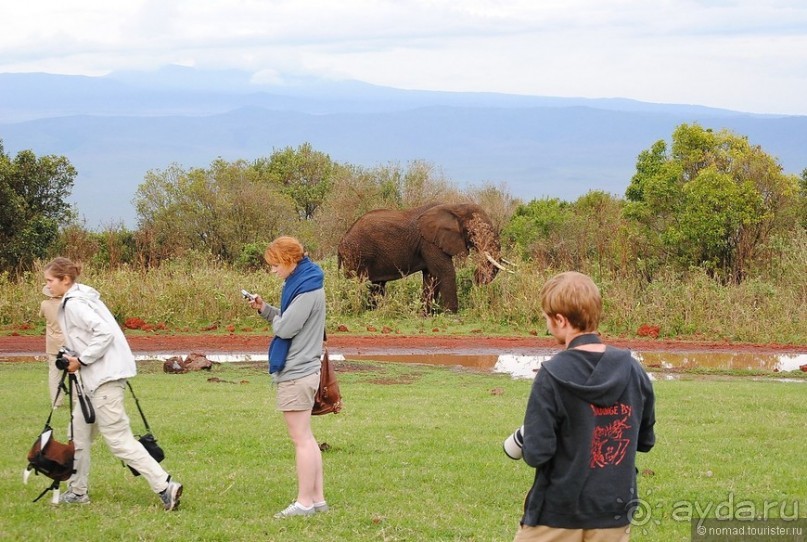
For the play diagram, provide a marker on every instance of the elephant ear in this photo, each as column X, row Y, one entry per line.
column 440, row 226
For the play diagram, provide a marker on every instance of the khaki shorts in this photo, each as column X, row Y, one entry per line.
column 297, row 394
column 542, row 533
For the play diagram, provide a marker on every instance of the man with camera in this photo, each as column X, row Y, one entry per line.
column 591, row 408
column 98, row 350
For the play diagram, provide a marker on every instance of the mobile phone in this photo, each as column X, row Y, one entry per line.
column 248, row 295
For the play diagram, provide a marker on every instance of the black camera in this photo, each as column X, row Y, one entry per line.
column 61, row 361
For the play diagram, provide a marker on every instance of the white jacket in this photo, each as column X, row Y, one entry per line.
column 92, row 333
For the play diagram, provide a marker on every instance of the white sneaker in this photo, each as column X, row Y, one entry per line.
column 295, row 509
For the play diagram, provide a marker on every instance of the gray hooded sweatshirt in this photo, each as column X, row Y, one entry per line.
column 303, row 323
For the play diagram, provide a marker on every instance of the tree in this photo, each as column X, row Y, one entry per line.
column 305, row 175
column 536, row 230
column 564, row 235
column 598, row 229
column 32, row 206
column 713, row 201
column 217, row 210
column 113, row 246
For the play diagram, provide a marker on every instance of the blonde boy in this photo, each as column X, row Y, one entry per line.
column 590, row 410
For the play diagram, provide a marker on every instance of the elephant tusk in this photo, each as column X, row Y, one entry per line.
column 508, row 262
column 497, row 264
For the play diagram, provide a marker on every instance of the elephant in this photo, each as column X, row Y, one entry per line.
column 387, row 244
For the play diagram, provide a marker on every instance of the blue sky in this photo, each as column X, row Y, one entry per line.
column 742, row 55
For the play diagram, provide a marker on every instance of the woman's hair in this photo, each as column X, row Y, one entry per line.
column 575, row 296
column 284, row 250
column 61, row 267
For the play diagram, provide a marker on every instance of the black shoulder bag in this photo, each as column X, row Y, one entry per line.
column 148, row 440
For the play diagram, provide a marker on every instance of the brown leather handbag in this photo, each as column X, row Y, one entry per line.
column 328, row 398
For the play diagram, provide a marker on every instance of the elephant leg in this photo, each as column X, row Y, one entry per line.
column 377, row 291
column 440, row 267
column 447, row 290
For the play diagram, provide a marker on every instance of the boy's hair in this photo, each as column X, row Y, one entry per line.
column 284, row 250
column 62, row 267
column 575, row 296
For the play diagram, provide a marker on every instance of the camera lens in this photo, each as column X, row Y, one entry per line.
column 61, row 361
column 513, row 444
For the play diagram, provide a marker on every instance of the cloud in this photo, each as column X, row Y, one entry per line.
column 718, row 53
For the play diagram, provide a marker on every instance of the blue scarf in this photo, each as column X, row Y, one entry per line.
column 306, row 277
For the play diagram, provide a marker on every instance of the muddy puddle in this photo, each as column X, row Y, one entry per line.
column 525, row 366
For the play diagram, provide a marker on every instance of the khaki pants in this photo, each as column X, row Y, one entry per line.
column 113, row 424
column 542, row 533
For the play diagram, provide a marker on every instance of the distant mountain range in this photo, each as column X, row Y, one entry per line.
column 115, row 128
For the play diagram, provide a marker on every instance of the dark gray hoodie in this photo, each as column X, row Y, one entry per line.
column 587, row 416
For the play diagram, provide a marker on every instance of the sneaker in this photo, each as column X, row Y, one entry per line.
column 321, row 507
column 71, row 498
column 295, row 509
column 170, row 495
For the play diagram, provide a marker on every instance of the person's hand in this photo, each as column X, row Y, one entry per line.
column 73, row 364
column 257, row 303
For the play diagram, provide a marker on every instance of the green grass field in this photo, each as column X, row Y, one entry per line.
column 415, row 455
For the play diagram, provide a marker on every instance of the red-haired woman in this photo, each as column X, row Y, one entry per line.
column 294, row 362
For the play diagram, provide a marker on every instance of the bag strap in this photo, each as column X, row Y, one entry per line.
column 86, row 405
column 146, row 423
column 69, row 401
